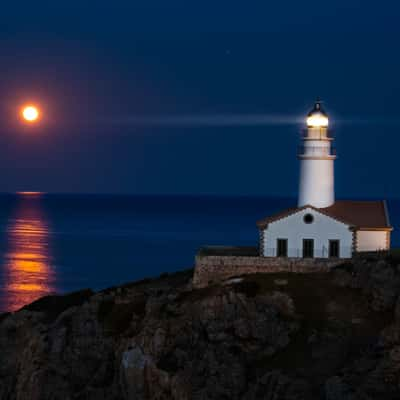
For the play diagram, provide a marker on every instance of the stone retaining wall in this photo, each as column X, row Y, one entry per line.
column 213, row 269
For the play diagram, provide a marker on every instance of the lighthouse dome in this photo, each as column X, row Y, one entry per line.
column 317, row 117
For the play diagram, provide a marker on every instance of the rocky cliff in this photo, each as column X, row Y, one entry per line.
column 333, row 336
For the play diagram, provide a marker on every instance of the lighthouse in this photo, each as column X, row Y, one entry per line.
column 319, row 227
column 316, row 155
column 322, row 226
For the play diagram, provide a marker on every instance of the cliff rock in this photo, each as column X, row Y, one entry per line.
column 333, row 336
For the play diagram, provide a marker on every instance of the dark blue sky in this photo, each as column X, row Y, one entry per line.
column 99, row 68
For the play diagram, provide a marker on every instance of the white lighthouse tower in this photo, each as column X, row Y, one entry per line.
column 316, row 161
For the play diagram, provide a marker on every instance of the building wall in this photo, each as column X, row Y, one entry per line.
column 372, row 240
column 214, row 269
column 316, row 183
column 293, row 228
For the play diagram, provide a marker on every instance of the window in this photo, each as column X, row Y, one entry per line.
column 334, row 248
column 308, row 248
column 308, row 219
column 281, row 248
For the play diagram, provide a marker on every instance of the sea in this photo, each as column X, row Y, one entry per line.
column 58, row 243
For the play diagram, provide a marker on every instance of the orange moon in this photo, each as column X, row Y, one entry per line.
column 30, row 113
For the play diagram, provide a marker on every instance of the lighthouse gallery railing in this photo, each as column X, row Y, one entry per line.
column 317, row 150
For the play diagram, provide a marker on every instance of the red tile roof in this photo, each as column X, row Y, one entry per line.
column 358, row 214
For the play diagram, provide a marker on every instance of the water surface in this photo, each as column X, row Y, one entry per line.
column 59, row 243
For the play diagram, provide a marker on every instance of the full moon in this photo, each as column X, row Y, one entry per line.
column 30, row 113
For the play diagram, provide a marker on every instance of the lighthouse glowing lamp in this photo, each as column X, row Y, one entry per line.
column 316, row 186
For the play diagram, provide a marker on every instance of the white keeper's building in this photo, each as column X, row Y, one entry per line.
column 320, row 226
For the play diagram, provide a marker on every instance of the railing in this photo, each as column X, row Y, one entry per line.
column 298, row 253
column 322, row 134
column 317, row 151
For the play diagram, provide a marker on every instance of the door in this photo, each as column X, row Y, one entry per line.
column 281, row 247
column 334, row 248
column 308, row 248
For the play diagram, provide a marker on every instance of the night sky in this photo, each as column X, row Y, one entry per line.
column 190, row 97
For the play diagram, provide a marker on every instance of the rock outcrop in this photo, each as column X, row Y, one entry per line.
column 333, row 336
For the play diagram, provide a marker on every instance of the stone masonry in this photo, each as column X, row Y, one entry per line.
column 211, row 269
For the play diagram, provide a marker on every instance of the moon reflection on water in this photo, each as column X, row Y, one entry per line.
column 28, row 272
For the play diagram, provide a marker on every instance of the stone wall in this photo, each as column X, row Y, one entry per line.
column 213, row 269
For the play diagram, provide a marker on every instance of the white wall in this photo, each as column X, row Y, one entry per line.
column 372, row 240
column 316, row 187
column 322, row 229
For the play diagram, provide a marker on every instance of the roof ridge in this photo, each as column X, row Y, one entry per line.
column 355, row 201
column 290, row 211
column 326, row 213
column 262, row 223
column 358, row 214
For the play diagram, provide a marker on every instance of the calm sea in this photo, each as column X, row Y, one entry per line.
column 59, row 243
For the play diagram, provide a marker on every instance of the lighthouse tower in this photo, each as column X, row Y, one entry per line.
column 316, row 161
